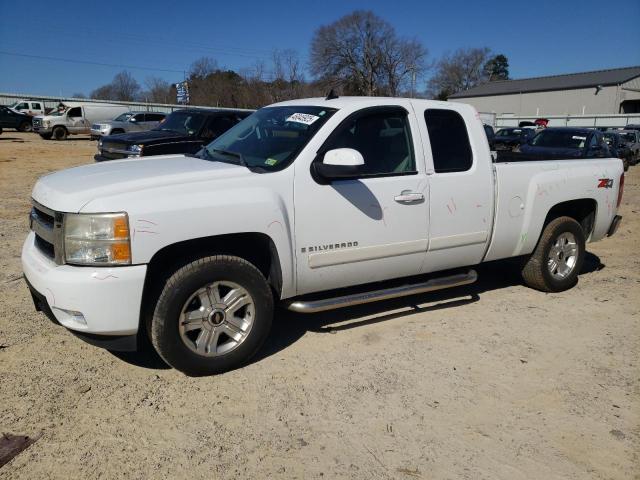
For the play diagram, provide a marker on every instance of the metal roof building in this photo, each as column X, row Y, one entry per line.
column 599, row 92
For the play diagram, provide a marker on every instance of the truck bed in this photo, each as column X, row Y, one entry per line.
column 527, row 191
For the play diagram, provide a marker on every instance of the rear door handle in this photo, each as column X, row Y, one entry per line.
column 407, row 196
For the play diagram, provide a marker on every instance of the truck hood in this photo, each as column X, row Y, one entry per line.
column 148, row 137
column 70, row 190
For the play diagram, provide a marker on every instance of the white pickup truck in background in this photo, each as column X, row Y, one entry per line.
column 294, row 203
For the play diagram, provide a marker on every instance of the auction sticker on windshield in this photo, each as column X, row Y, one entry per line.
column 305, row 118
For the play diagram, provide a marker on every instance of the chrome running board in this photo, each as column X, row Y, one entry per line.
column 313, row 306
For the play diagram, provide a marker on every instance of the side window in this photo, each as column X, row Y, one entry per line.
column 139, row 117
column 449, row 139
column 594, row 141
column 23, row 106
column 36, row 106
column 154, row 117
column 75, row 112
column 217, row 126
column 383, row 138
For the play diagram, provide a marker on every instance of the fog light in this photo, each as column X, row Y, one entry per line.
column 70, row 316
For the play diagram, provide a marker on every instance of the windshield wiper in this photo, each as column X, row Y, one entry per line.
column 229, row 153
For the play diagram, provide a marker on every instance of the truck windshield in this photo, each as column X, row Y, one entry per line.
column 270, row 138
column 184, row 123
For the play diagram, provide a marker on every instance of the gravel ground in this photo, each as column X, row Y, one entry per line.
column 491, row 381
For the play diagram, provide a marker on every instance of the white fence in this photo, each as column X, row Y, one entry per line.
column 52, row 102
column 591, row 121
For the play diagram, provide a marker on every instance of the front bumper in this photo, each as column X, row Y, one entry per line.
column 108, row 298
column 41, row 129
column 99, row 133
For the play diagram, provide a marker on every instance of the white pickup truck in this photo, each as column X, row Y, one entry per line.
column 302, row 197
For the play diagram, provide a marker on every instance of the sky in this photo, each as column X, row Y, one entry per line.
column 162, row 38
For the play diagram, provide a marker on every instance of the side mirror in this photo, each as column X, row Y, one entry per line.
column 340, row 164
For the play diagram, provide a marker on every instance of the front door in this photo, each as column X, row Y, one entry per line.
column 372, row 228
column 76, row 122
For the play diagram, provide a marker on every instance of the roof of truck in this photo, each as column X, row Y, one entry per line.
column 350, row 102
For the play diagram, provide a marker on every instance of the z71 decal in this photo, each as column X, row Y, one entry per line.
column 605, row 183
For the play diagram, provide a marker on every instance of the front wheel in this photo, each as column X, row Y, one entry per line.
column 555, row 263
column 59, row 133
column 25, row 127
column 212, row 316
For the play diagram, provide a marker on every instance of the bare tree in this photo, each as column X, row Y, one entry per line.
column 203, row 67
column 104, row 92
column 362, row 53
column 458, row 71
column 158, row 91
column 78, row 95
column 125, row 87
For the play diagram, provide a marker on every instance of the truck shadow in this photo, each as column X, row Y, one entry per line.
column 289, row 327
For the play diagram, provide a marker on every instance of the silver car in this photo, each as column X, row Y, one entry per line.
column 127, row 122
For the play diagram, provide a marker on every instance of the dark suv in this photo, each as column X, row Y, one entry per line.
column 182, row 131
column 12, row 119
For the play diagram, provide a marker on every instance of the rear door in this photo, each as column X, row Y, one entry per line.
column 372, row 228
column 461, row 187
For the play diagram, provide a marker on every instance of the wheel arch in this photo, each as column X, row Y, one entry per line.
column 582, row 210
column 255, row 247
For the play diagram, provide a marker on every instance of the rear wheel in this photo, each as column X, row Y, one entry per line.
column 59, row 133
column 212, row 316
column 25, row 127
column 555, row 263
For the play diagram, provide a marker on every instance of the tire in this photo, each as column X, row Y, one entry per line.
column 25, row 127
column 59, row 133
column 46, row 136
column 560, row 237
column 192, row 314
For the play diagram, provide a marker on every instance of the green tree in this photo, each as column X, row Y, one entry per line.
column 497, row 68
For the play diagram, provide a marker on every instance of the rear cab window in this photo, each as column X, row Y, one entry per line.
column 450, row 146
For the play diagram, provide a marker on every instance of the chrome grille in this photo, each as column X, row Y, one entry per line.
column 47, row 225
column 37, row 122
column 113, row 150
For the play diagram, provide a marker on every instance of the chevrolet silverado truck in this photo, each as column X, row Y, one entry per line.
column 302, row 199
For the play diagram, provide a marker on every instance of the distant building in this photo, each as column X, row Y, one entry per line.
column 601, row 92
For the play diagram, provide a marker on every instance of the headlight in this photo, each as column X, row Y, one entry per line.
column 97, row 239
column 135, row 149
column 46, row 123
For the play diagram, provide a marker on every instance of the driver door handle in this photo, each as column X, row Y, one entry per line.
column 407, row 196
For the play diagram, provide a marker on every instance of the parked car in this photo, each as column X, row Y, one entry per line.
column 127, row 122
column 28, row 107
column 182, row 131
column 508, row 138
column 560, row 143
column 618, row 147
column 632, row 138
column 299, row 200
column 12, row 119
column 74, row 118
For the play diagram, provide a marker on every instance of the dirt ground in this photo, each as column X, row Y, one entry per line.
column 491, row 381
